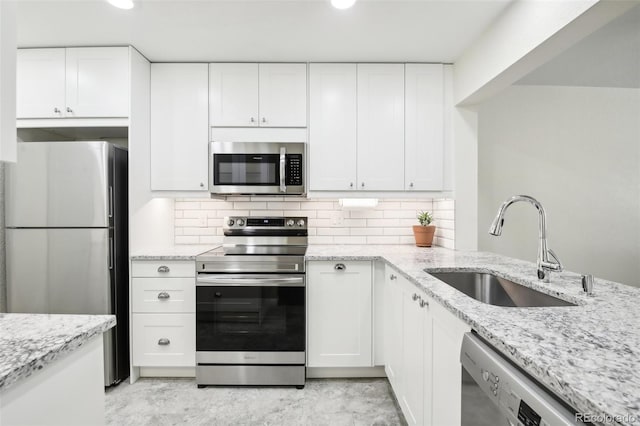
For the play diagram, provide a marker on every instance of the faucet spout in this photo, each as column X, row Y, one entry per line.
column 547, row 259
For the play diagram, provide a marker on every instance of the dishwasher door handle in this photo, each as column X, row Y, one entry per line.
column 227, row 281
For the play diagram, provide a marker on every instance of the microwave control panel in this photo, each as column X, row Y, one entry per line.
column 293, row 173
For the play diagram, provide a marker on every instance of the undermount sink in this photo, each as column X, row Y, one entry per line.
column 493, row 290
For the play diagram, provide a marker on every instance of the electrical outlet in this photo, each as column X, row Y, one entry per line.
column 337, row 218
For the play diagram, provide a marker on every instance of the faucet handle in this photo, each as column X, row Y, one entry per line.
column 559, row 267
column 587, row 284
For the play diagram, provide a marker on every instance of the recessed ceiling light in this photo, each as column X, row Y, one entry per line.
column 122, row 4
column 342, row 4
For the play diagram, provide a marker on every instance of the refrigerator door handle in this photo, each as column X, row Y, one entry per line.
column 110, row 253
column 110, row 201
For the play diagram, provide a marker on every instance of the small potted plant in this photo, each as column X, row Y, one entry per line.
column 423, row 233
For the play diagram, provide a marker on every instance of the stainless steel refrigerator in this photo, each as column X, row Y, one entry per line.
column 66, row 215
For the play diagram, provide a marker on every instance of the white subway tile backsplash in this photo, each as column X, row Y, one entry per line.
column 390, row 222
column 383, row 240
column 250, row 205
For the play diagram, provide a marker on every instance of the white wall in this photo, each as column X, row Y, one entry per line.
column 577, row 150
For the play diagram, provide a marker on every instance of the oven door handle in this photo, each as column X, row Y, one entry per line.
column 283, row 160
column 250, row 282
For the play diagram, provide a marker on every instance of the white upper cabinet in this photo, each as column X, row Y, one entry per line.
column 333, row 130
column 97, row 82
column 264, row 95
column 380, row 162
column 233, row 95
column 40, row 83
column 424, row 127
column 179, row 127
column 87, row 82
column 283, row 95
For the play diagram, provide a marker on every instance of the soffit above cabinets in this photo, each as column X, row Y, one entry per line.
column 609, row 57
column 266, row 30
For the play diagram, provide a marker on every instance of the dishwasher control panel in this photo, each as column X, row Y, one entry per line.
column 517, row 398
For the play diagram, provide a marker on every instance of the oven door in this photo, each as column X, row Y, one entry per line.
column 256, row 168
column 236, row 314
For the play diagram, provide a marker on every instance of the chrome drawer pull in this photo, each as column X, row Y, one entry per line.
column 392, row 277
column 163, row 295
column 424, row 303
column 340, row 267
column 415, row 296
column 164, row 342
column 163, row 269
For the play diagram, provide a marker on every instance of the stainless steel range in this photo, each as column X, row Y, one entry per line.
column 250, row 304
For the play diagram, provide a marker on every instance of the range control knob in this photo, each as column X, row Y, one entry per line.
column 230, row 222
column 301, row 222
column 240, row 222
column 290, row 222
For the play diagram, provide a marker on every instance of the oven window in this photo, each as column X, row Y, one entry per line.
column 250, row 319
column 246, row 169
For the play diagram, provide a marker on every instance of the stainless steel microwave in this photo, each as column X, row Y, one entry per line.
column 265, row 168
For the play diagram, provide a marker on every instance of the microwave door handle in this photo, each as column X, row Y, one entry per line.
column 283, row 159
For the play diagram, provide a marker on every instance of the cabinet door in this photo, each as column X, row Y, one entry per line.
column 179, row 127
column 339, row 314
column 380, row 162
column 233, row 95
column 412, row 397
column 283, row 95
column 333, row 129
column 424, row 127
column 447, row 332
column 393, row 323
column 97, row 82
column 40, row 91
column 164, row 340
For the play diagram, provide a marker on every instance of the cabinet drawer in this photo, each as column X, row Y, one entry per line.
column 164, row 340
column 340, row 266
column 163, row 295
column 159, row 268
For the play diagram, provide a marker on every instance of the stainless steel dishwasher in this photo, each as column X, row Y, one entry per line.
column 495, row 393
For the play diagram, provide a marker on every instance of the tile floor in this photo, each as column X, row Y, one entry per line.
column 322, row 402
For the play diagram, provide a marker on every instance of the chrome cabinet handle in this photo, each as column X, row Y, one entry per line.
column 164, row 342
column 415, row 297
column 253, row 120
column 351, row 185
column 69, row 109
column 56, row 110
column 340, row 267
column 163, row 269
column 163, row 295
column 411, row 185
column 423, row 303
column 264, row 120
column 283, row 161
column 201, row 184
column 392, row 277
column 362, row 184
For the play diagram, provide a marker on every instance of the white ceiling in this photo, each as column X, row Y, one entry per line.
column 609, row 57
column 264, row 30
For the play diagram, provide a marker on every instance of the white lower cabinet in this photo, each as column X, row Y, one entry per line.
column 339, row 314
column 447, row 331
column 422, row 352
column 163, row 314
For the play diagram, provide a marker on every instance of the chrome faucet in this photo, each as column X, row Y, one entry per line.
column 545, row 264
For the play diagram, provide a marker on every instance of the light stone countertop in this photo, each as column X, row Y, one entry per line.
column 29, row 342
column 180, row 252
column 589, row 355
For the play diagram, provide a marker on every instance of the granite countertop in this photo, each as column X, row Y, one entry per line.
column 28, row 342
column 185, row 252
column 589, row 354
